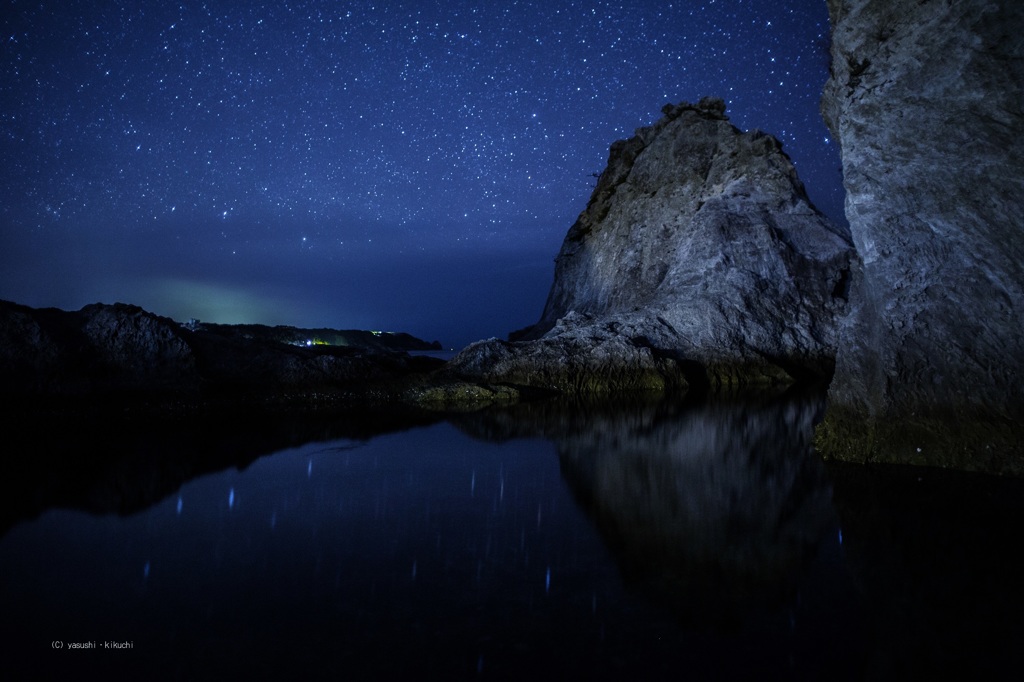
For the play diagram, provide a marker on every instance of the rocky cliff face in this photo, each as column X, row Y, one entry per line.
column 927, row 101
column 698, row 260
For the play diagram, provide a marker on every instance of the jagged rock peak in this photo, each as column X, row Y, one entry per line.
column 666, row 208
column 698, row 247
column 623, row 153
column 711, row 107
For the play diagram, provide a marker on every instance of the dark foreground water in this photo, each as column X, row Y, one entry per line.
column 642, row 542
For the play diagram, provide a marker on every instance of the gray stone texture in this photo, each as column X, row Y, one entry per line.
column 698, row 260
column 927, row 101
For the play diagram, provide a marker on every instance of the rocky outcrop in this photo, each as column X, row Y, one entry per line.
column 698, row 261
column 581, row 355
column 120, row 350
column 100, row 348
column 927, row 101
column 135, row 348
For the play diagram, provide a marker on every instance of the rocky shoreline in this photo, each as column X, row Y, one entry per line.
column 700, row 267
column 120, row 354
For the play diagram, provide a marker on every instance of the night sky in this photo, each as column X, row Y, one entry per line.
column 406, row 166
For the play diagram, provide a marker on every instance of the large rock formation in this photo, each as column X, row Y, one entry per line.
column 698, row 260
column 927, row 100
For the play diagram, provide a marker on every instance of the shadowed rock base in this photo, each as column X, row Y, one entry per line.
column 955, row 439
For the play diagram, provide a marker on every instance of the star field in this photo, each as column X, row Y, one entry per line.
column 400, row 165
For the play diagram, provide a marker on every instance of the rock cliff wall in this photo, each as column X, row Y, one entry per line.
column 927, row 100
column 698, row 260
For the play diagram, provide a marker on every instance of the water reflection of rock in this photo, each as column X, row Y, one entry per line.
column 713, row 510
column 123, row 462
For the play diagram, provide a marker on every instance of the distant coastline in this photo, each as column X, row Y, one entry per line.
column 122, row 353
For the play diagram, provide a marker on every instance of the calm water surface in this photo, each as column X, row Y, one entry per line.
column 654, row 541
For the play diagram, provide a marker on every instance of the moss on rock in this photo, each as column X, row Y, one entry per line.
column 952, row 438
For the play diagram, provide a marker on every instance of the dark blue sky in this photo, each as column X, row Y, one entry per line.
column 409, row 166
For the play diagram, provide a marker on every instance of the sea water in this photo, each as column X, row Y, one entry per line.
column 649, row 541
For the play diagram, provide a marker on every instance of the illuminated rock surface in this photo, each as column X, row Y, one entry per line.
column 699, row 261
column 926, row 101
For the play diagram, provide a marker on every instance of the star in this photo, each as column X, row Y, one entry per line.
column 466, row 135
